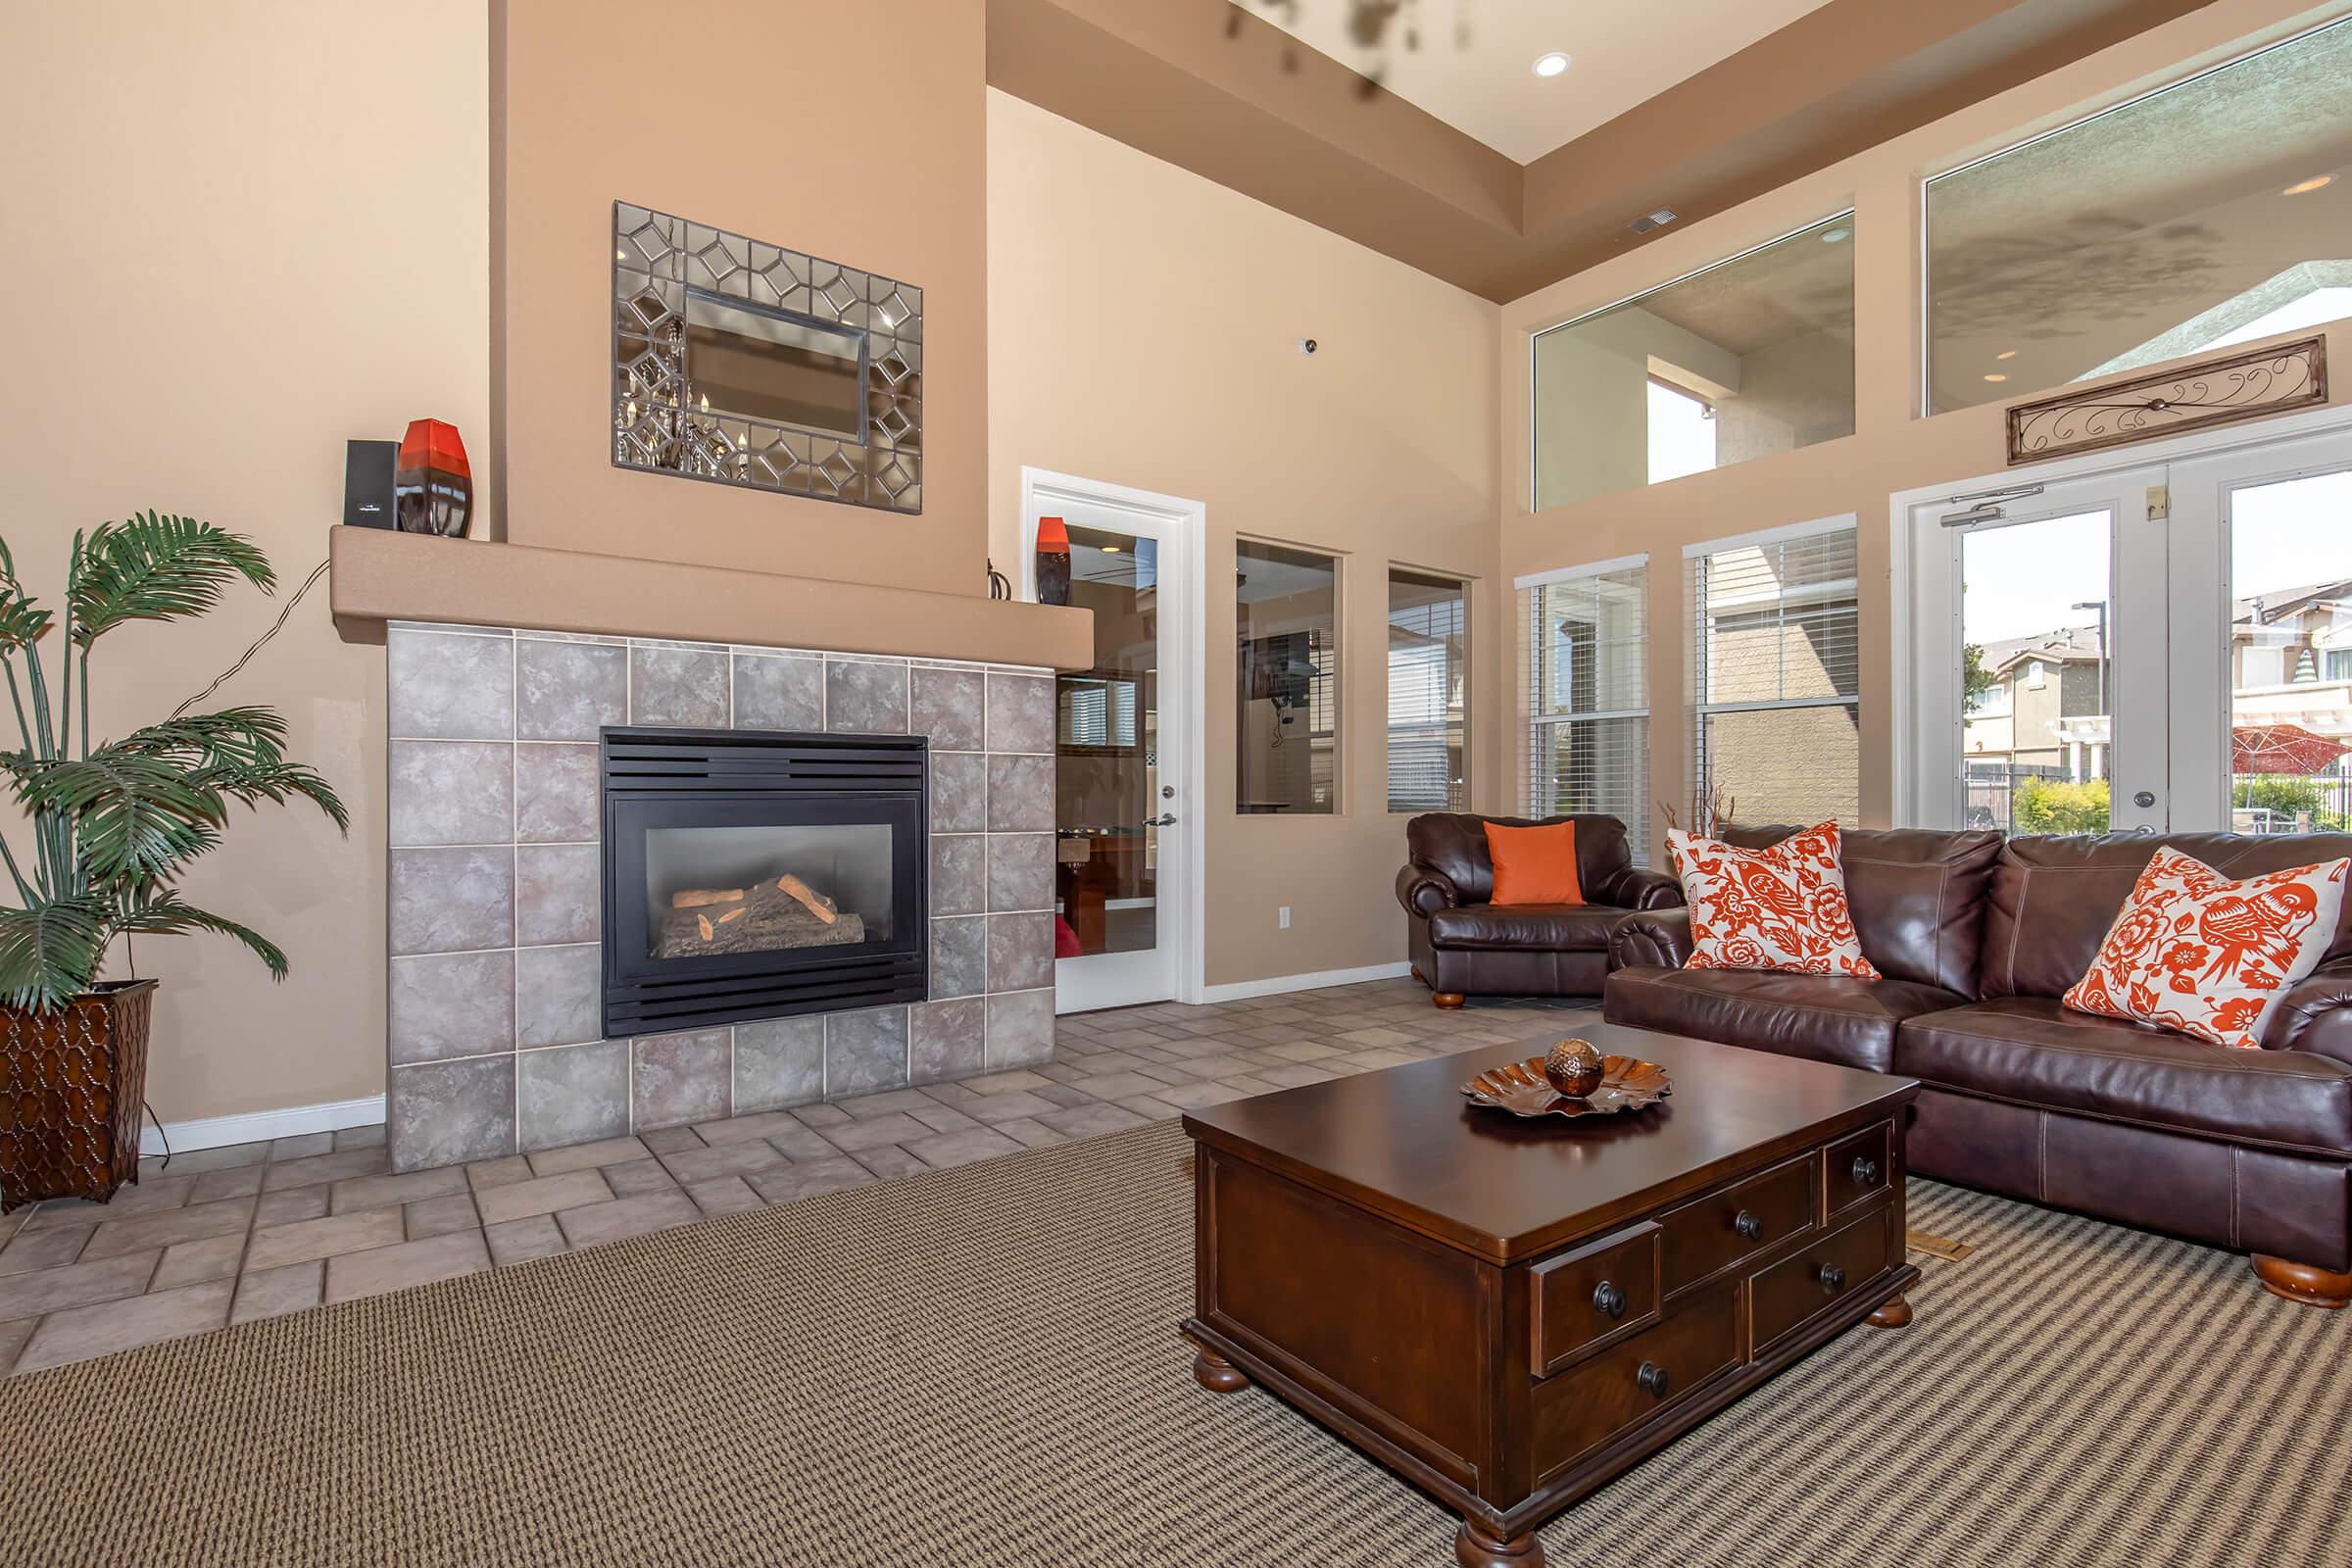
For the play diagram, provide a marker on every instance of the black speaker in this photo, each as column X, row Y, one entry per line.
column 367, row 483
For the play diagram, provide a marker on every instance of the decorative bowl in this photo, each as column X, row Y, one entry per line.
column 1627, row 1083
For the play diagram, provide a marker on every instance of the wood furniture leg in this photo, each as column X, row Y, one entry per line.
column 1893, row 1313
column 2300, row 1281
column 1448, row 999
column 1473, row 1548
column 1216, row 1374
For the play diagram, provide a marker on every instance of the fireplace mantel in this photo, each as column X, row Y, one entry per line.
column 379, row 575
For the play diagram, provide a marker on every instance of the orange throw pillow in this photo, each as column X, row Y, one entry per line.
column 1533, row 864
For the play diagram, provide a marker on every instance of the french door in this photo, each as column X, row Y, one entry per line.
column 1126, row 742
column 2143, row 647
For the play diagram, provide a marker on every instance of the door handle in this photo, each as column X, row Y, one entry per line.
column 1164, row 819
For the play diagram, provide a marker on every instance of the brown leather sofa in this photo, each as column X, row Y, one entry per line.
column 1460, row 944
column 1977, row 939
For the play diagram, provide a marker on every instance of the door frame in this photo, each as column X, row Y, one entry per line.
column 1907, row 622
column 1184, row 641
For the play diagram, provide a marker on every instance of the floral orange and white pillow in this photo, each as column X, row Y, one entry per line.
column 1778, row 909
column 2196, row 951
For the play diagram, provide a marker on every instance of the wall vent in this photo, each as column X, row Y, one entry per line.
column 1649, row 220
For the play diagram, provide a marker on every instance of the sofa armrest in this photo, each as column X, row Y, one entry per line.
column 1634, row 888
column 1424, row 891
column 1650, row 938
column 2316, row 1013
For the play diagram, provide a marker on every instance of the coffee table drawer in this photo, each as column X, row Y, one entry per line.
column 1858, row 1168
column 1791, row 1291
column 1624, row 1386
column 1592, row 1295
column 1718, row 1230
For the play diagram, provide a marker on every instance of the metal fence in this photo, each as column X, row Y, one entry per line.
column 2050, row 801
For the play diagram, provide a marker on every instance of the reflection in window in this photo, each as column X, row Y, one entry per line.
column 1752, row 356
column 1777, row 663
column 1287, row 613
column 2209, row 213
column 1429, row 670
column 1588, row 694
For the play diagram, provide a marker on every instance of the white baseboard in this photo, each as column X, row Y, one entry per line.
column 254, row 1126
column 1275, row 985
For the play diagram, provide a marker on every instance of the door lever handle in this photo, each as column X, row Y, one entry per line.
column 1164, row 819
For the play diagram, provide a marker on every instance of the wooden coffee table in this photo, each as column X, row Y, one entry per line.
column 1510, row 1313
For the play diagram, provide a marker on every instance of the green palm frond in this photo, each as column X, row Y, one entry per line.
column 21, row 621
column 277, row 782
column 156, row 568
column 52, row 951
column 162, row 913
column 133, row 816
column 234, row 737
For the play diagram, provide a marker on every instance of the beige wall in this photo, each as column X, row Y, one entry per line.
column 873, row 158
column 237, row 234
column 1890, row 449
column 1145, row 326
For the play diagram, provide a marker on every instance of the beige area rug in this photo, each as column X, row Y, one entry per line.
column 979, row 1367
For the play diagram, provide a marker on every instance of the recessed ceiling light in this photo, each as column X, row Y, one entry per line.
column 1110, row 550
column 2006, row 354
column 1834, row 236
column 1555, row 63
column 2302, row 186
column 1996, row 376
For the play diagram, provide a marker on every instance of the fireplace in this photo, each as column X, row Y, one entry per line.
column 754, row 874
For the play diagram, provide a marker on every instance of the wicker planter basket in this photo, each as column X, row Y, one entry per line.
column 71, row 1083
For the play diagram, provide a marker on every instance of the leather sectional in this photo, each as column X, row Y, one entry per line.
column 1462, row 944
column 1976, row 938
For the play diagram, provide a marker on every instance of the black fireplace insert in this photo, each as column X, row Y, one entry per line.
column 754, row 874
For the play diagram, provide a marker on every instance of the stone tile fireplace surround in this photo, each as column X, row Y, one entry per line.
column 494, row 895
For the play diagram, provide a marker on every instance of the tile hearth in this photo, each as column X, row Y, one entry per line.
column 231, row 1234
column 494, row 1029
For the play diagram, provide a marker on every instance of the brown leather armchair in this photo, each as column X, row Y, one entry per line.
column 1977, row 938
column 1462, row 944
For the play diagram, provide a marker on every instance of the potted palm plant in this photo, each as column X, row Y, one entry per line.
column 109, row 826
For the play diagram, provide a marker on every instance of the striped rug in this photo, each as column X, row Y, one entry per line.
column 979, row 1367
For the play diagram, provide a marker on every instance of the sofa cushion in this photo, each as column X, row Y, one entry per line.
column 2052, row 899
column 1826, row 1017
column 1781, row 907
column 1533, row 864
column 1528, row 927
column 2032, row 1051
column 1917, row 897
column 2195, row 951
column 1454, row 844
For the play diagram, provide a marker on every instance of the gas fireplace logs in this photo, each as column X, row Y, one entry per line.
column 775, row 912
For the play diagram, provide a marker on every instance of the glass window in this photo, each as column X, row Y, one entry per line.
column 1588, row 694
column 1777, row 669
column 2212, row 213
column 1287, row 615
column 1428, row 673
column 1752, row 356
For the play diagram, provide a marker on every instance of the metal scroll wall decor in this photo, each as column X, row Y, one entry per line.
column 2250, row 385
column 742, row 362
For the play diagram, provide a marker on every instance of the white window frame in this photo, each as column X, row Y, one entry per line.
column 1693, row 554
column 1535, row 723
column 1464, row 584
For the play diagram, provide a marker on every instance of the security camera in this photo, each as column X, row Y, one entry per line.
column 1306, row 345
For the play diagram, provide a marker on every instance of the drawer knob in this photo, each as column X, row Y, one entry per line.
column 1866, row 1170
column 1747, row 1225
column 1608, row 1299
column 1652, row 1378
column 1833, row 1278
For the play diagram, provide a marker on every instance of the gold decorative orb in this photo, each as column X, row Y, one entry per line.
column 1573, row 1067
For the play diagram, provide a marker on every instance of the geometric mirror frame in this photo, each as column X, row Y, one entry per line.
column 738, row 361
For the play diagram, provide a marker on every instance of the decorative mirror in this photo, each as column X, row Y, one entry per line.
column 743, row 363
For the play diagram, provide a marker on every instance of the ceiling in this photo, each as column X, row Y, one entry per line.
column 1470, row 63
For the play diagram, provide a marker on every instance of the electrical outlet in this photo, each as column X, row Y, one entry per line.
column 1282, row 918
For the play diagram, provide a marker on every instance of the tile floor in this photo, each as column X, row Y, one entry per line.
column 230, row 1235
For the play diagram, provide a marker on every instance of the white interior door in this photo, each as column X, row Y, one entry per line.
column 1127, row 743
column 2261, row 664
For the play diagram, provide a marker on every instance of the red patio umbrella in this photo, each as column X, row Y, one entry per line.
column 2282, row 748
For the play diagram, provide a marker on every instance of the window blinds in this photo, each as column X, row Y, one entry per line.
column 1588, row 698
column 1775, row 667
column 1428, row 661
